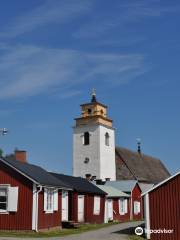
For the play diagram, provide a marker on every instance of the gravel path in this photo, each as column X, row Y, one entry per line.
column 114, row 232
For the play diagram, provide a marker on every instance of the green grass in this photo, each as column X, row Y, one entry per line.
column 55, row 233
column 134, row 237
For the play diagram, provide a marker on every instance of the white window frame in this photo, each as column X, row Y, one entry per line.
column 137, row 207
column 50, row 200
column 97, row 205
column 55, row 200
column 4, row 187
column 123, row 206
column 11, row 199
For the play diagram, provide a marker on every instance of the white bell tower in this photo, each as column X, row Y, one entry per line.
column 94, row 142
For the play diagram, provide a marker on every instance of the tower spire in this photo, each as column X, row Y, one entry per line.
column 93, row 94
column 139, row 145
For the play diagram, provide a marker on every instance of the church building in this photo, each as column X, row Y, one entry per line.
column 96, row 156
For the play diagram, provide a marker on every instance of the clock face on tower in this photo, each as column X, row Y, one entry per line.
column 86, row 161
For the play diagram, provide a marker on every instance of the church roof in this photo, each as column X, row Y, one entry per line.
column 141, row 167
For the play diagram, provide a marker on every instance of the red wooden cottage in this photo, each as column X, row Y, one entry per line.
column 162, row 210
column 132, row 188
column 30, row 197
column 117, row 205
column 85, row 203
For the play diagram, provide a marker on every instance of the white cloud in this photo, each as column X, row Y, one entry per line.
column 28, row 70
column 69, row 94
column 124, row 14
column 51, row 11
column 42, row 125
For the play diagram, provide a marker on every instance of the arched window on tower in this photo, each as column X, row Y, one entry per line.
column 107, row 139
column 86, row 138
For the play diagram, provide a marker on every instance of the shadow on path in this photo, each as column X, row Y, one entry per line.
column 130, row 230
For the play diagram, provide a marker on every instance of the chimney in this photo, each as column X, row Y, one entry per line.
column 93, row 178
column 107, row 179
column 88, row 177
column 99, row 182
column 20, row 156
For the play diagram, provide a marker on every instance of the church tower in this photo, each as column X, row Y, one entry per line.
column 94, row 142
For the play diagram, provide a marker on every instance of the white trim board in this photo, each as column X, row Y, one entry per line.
column 34, row 207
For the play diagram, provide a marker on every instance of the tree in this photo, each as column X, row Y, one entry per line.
column 1, row 152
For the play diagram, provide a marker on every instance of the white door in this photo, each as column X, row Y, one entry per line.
column 110, row 209
column 80, row 208
column 64, row 205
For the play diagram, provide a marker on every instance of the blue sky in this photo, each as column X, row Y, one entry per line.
column 52, row 53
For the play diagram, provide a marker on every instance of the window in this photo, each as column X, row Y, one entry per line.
column 50, row 200
column 86, row 138
column 123, row 206
column 96, row 205
column 3, row 199
column 89, row 111
column 107, row 139
column 137, row 208
column 8, row 198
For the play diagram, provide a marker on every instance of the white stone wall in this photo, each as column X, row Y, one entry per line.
column 91, row 151
column 107, row 154
column 102, row 157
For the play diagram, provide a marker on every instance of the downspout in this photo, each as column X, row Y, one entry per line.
column 36, row 217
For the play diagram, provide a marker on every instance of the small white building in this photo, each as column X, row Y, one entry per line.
column 117, row 204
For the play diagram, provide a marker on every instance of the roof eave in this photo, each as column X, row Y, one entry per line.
column 25, row 175
column 31, row 179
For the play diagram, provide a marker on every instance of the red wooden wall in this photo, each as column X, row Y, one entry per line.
column 88, row 208
column 164, row 205
column 136, row 196
column 22, row 219
column 116, row 214
column 73, row 206
column 48, row 220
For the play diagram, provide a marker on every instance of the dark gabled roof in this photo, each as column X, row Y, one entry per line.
column 35, row 173
column 143, row 168
column 79, row 184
